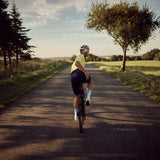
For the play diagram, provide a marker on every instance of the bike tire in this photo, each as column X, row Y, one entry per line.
column 80, row 124
column 81, row 106
column 80, row 116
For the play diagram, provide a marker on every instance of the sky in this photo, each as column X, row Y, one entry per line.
column 58, row 28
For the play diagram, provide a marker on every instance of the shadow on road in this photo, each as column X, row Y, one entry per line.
column 121, row 124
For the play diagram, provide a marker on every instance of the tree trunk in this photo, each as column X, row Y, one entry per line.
column 10, row 62
column 5, row 60
column 16, row 58
column 124, row 60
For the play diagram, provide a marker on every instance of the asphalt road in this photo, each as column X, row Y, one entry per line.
column 121, row 123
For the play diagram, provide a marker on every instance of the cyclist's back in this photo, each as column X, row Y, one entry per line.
column 79, row 75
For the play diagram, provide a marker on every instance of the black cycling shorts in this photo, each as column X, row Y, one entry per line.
column 77, row 78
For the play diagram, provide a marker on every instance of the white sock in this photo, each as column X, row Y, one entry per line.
column 88, row 95
column 76, row 114
column 76, row 111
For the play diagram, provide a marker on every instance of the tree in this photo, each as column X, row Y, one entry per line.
column 26, row 56
column 20, row 42
column 157, row 56
column 13, row 38
column 116, row 58
column 130, row 26
column 150, row 55
column 92, row 57
column 5, row 31
column 113, row 58
column 73, row 57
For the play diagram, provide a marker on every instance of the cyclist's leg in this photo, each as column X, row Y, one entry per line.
column 75, row 80
column 89, row 90
column 89, row 85
column 75, row 86
column 75, row 103
column 75, row 106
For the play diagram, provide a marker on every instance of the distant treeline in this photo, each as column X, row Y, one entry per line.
column 91, row 57
column 153, row 54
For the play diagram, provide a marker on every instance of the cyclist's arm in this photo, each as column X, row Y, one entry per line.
column 80, row 67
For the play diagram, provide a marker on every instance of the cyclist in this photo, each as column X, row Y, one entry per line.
column 79, row 75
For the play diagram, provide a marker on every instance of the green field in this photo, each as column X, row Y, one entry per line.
column 29, row 75
column 143, row 76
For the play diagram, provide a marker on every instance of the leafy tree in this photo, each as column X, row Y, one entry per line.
column 150, row 55
column 157, row 56
column 116, row 58
column 135, row 58
column 98, row 58
column 73, row 57
column 92, row 57
column 130, row 26
column 113, row 58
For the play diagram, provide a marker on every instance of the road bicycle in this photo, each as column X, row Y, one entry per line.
column 81, row 107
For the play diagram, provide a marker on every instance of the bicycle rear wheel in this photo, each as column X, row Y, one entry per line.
column 81, row 106
column 80, row 124
column 80, row 114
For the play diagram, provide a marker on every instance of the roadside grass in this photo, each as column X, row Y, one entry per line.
column 143, row 76
column 30, row 75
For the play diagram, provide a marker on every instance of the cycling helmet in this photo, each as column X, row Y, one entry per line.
column 84, row 48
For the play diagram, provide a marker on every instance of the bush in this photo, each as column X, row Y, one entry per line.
column 157, row 56
column 150, row 55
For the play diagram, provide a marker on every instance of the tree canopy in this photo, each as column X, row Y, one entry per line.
column 130, row 26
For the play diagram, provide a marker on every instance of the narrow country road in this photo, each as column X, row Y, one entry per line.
column 121, row 123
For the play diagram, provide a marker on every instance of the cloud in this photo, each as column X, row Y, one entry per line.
column 45, row 10
column 38, row 12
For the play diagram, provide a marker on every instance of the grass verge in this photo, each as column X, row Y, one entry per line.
column 18, row 84
column 143, row 76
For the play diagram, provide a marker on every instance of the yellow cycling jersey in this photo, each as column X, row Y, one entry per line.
column 80, row 58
